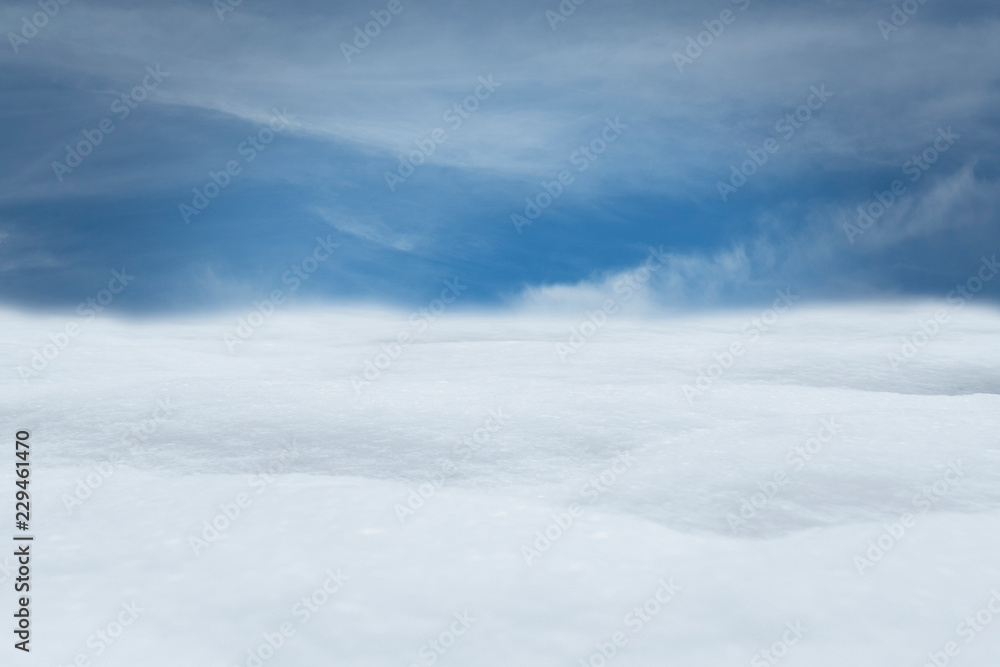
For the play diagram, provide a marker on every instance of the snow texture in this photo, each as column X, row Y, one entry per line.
column 753, row 502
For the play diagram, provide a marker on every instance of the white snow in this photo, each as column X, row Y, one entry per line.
column 345, row 461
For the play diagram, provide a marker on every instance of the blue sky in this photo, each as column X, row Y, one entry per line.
column 184, row 85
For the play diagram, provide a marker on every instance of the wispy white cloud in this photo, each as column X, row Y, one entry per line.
column 372, row 230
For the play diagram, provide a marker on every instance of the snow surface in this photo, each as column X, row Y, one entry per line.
column 345, row 461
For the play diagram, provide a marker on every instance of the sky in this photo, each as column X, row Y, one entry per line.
column 534, row 152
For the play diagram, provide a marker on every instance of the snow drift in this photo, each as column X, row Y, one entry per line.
column 816, row 486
